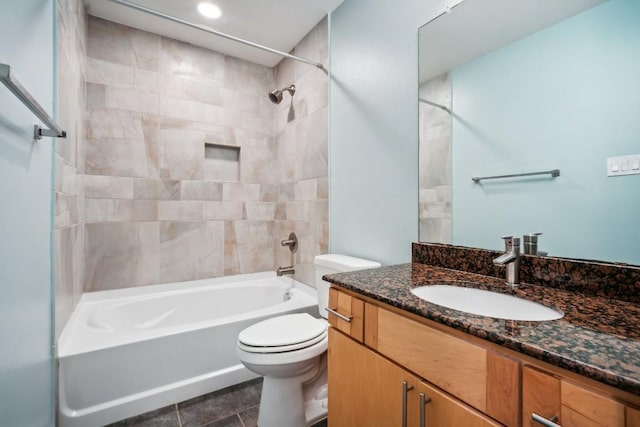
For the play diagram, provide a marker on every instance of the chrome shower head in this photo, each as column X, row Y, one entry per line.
column 275, row 96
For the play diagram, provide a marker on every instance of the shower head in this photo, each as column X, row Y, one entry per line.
column 275, row 96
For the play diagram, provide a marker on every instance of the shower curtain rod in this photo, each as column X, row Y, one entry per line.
column 215, row 32
column 433, row 104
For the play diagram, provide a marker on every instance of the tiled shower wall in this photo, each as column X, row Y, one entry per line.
column 435, row 162
column 156, row 209
column 301, row 150
column 69, row 158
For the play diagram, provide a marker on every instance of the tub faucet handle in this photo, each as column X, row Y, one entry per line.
column 292, row 242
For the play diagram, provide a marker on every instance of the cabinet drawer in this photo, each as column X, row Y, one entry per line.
column 350, row 314
column 485, row 380
column 584, row 408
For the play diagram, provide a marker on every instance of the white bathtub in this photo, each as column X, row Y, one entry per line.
column 125, row 352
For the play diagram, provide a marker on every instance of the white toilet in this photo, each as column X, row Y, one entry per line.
column 290, row 352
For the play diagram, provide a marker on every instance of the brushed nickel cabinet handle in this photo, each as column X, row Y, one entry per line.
column 405, row 389
column 423, row 402
column 545, row 422
column 341, row 316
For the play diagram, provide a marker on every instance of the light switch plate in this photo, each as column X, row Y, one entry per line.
column 623, row 165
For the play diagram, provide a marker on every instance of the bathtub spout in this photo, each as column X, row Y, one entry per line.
column 285, row 270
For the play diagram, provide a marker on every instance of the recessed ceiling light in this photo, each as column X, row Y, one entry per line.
column 209, row 10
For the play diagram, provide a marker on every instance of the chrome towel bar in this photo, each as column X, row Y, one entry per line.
column 553, row 172
column 23, row 95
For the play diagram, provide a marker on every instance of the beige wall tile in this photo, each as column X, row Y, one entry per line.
column 132, row 100
column 108, row 187
column 110, row 124
column 183, row 59
column 191, row 250
column 180, row 210
column 169, row 189
column 145, row 188
column 219, row 210
column 121, row 255
column 240, row 192
column 95, row 210
column 312, row 142
column 260, row 211
column 117, row 157
column 181, row 108
column 108, row 73
column 254, row 240
column 203, row 90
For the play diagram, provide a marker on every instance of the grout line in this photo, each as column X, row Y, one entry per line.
column 178, row 412
column 240, row 418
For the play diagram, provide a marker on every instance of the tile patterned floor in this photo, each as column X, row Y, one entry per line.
column 235, row 406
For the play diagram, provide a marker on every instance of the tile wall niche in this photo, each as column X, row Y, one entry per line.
column 435, row 162
column 69, row 158
column 156, row 209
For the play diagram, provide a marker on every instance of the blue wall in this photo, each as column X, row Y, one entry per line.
column 589, row 66
column 373, row 153
column 26, row 396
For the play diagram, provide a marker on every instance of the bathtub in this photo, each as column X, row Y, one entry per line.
column 128, row 351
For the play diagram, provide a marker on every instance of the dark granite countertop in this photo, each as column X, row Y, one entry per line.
column 598, row 337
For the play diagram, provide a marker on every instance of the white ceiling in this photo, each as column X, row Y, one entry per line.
column 476, row 27
column 278, row 24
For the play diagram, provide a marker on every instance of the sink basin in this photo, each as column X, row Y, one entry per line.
column 486, row 303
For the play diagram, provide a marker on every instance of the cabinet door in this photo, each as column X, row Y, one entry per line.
column 346, row 314
column 633, row 417
column 540, row 396
column 365, row 389
column 566, row 403
column 442, row 410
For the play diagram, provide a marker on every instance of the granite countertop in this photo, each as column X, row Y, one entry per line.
column 597, row 337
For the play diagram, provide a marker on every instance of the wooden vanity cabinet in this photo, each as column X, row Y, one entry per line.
column 484, row 379
column 569, row 404
column 367, row 389
column 374, row 348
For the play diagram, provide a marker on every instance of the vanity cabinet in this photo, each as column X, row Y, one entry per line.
column 481, row 378
column 367, row 389
column 374, row 349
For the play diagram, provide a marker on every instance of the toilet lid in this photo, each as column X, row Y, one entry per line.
column 284, row 332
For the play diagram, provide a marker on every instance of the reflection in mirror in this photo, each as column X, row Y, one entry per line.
column 544, row 85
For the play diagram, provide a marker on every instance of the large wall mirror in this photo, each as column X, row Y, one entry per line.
column 527, row 86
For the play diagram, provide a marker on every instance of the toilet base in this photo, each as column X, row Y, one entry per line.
column 285, row 404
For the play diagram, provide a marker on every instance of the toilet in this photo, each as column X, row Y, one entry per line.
column 289, row 351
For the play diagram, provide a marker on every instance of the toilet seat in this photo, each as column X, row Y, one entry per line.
column 281, row 334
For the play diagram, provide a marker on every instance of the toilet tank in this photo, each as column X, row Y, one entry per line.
column 334, row 263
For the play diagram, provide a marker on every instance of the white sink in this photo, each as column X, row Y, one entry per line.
column 486, row 303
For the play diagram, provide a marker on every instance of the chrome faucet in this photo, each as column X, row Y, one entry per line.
column 285, row 270
column 510, row 259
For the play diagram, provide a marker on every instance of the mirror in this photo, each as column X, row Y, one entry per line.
column 532, row 86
